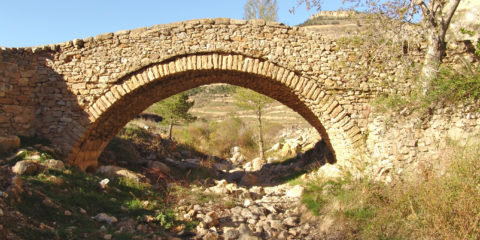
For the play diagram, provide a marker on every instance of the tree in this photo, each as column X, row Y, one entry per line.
column 247, row 99
column 436, row 17
column 261, row 9
column 174, row 108
column 250, row 100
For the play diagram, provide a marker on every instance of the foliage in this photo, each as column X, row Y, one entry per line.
column 261, row 9
column 436, row 17
column 217, row 138
column 429, row 206
column 174, row 108
column 251, row 100
column 466, row 86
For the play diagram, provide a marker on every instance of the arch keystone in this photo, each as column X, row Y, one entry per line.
column 229, row 64
column 171, row 68
column 240, row 60
column 160, row 70
column 223, row 62
column 269, row 69
column 215, row 61
column 189, row 63
column 151, row 75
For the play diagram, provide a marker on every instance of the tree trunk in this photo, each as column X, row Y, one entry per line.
column 260, row 134
column 433, row 58
column 170, row 128
column 437, row 17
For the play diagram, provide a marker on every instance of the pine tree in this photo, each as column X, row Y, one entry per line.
column 175, row 109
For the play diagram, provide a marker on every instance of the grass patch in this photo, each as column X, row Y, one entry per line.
column 50, row 194
column 218, row 138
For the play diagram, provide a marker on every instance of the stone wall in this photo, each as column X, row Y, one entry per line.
column 400, row 144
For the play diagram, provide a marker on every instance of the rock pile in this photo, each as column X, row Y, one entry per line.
column 257, row 213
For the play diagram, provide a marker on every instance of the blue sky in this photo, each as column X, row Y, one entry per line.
column 38, row 22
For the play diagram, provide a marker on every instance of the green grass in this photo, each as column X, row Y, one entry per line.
column 80, row 190
column 26, row 153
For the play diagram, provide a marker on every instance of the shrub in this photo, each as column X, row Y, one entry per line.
column 449, row 88
column 217, row 138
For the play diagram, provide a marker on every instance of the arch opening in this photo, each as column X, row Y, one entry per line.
column 117, row 107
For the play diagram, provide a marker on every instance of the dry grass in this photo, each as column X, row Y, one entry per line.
column 431, row 206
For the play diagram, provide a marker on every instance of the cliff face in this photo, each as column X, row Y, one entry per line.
column 467, row 16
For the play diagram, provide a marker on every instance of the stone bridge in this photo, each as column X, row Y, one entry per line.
column 80, row 93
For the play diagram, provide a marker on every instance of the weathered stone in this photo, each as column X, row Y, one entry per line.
column 295, row 192
column 160, row 166
column 230, row 233
column 27, row 167
column 54, row 164
column 115, row 171
column 9, row 143
column 103, row 217
column 211, row 219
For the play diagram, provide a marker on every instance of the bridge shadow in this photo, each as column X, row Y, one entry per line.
column 272, row 174
column 191, row 166
column 40, row 105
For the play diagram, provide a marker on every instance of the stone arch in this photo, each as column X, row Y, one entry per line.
column 134, row 92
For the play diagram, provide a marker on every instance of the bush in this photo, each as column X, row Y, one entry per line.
column 449, row 88
column 217, row 138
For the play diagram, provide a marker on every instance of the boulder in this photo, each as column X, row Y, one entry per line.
column 9, row 143
column 27, row 167
column 295, row 192
column 115, row 171
column 230, row 233
column 160, row 166
column 329, row 171
column 211, row 219
column 257, row 164
column 103, row 217
column 237, row 156
column 54, row 164
column 246, row 233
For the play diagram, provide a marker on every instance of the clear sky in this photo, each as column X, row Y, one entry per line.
column 38, row 22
